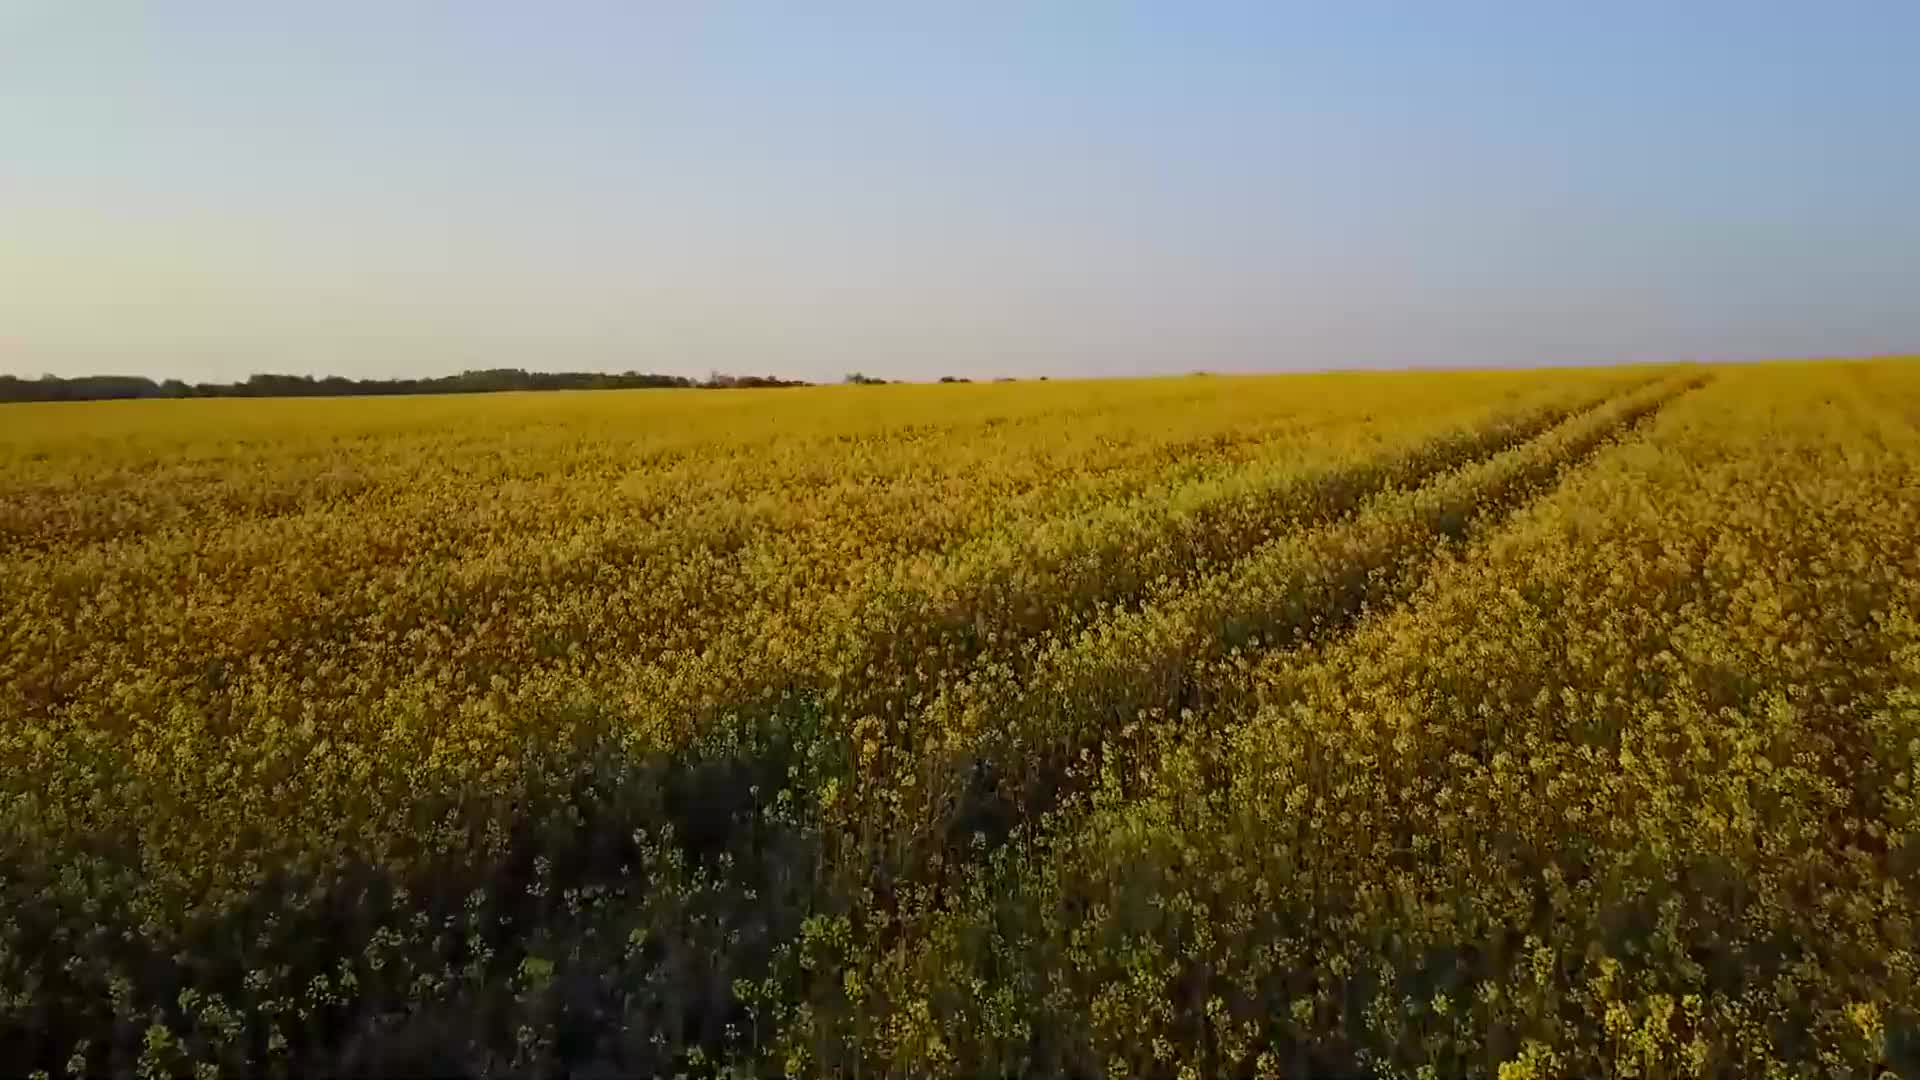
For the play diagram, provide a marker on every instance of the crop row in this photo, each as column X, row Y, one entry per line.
column 1624, row 788
column 1016, row 730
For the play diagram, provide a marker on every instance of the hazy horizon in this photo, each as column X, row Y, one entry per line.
column 210, row 190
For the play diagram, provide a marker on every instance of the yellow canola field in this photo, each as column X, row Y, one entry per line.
column 1527, row 723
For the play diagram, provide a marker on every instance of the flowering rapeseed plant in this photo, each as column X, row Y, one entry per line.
column 1499, row 724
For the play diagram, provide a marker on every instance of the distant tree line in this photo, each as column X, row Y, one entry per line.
column 103, row 387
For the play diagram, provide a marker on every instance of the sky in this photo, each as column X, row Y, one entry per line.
column 207, row 189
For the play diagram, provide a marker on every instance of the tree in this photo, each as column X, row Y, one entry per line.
column 95, row 387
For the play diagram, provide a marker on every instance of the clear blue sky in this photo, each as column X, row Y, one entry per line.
column 211, row 189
